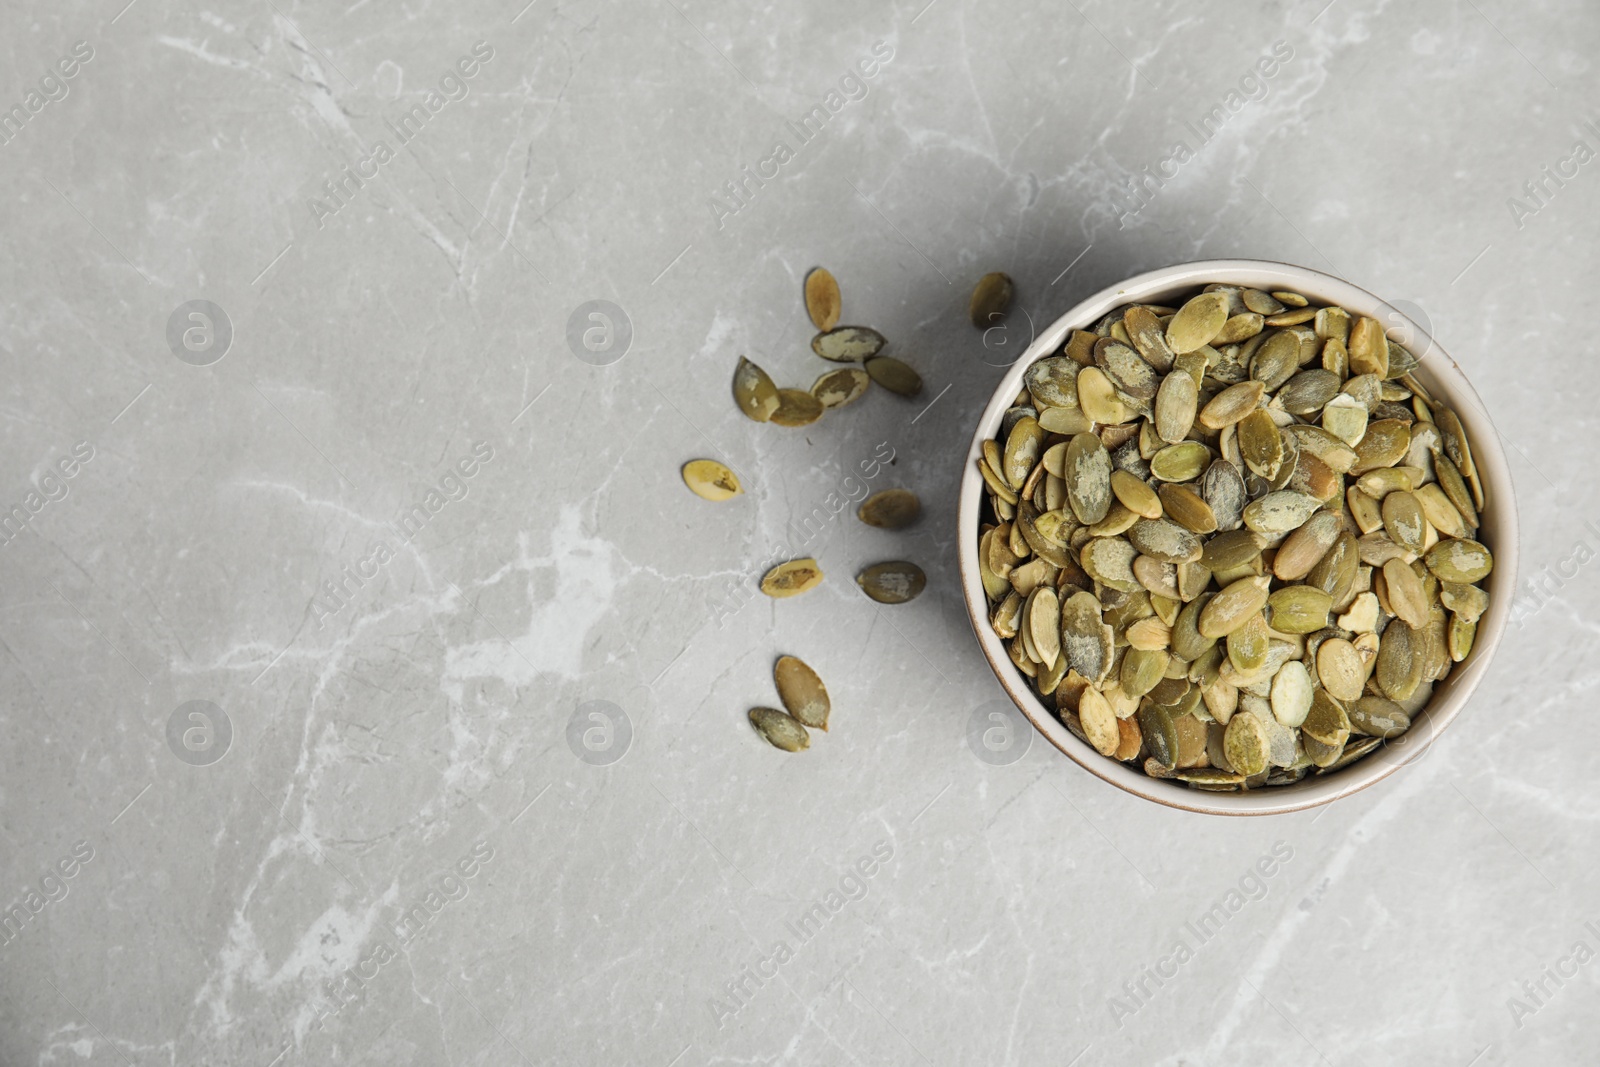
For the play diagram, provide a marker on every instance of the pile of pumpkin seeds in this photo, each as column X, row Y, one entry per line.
column 1232, row 542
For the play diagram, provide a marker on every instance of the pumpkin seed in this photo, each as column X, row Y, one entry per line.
column 802, row 692
column 1160, row 733
column 1279, row 512
column 1232, row 608
column 1086, row 641
column 754, row 392
column 1369, row 348
column 991, row 299
column 1260, row 443
column 1131, row 375
column 1181, row 462
column 1275, row 361
column 1247, row 645
column 1100, row 724
column 792, row 578
column 1459, row 560
column 1378, row 717
column 848, row 344
column 1135, row 495
column 1165, row 540
column 822, row 299
column 1188, row 509
column 894, row 375
column 1467, row 601
column 1232, row 404
column 1326, row 721
column 779, row 729
column 710, row 480
column 1148, row 337
column 1099, row 399
column 1022, row 450
column 1197, row 322
column 890, row 509
column 1109, row 561
column 895, row 582
column 1044, row 624
column 1402, row 518
column 1407, row 598
column 1299, row 609
column 1245, row 744
column 1399, row 666
column 1053, row 382
column 1291, row 694
column 796, row 407
column 1087, row 471
column 1176, row 401
column 1463, row 632
column 840, row 387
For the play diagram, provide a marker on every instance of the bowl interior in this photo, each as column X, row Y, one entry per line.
column 1445, row 382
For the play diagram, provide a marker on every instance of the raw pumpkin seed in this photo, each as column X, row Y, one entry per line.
column 754, row 392
column 796, row 407
column 780, row 729
column 802, row 692
column 890, row 509
column 710, row 480
column 839, row 387
column 895, row 582
column 848, row 344
column 991, row 299
column 822, row 299
column 1197, row 322
column 894, row 375
column 792, row 578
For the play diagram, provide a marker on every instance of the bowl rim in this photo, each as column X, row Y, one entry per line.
column 1449, row 385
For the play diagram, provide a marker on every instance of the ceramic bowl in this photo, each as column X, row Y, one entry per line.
column 1448, row 384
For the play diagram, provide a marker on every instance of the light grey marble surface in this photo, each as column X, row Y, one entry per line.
column 407, row 852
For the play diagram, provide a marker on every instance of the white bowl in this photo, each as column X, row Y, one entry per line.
column 1443, row 377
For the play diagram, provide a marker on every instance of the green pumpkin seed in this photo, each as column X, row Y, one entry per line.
column 1022, row 451
column 1463, row 632
column 1197, row 322
column 1261, row 303
column 1459, row 560
column 891, row 509
column 1175, row 406
column 991, row 299
column 894, row 375
column 1369, row 348
column 1165, row 540
column 1181, row 462
column 1160, row 733
column 848, row 344
column 1399, row 667
column 1326, row 721
column 1188, row 509
column 802, row 692
column 1308, row 391
column 796, row 407
column 1340, row 669
column 1247, row 645
column 1086, row 641
column 1378, row 717
column 822, row 299
column 1232, row 404
column 754, row 392
column 1275, row 361
column 837, row 388
column 1299, row 609
column 1383, row 445
column 1232, row 608
column 1148, row 337
column 1245, row 744
column 1407, row 598
column 1304, row 548
column 779, row 729
column 1099, row 723
column 1280, row 512
column 1099, row 399
column 1292, row 694
column 1053, row 382
column 895, row 582
column 1402, row 518
column 1135, row 495
column 1127, row 370
column 1142, row 669
column 1109, row 561
column 1087, row 472
column 1260, row 444
column 1467, row 601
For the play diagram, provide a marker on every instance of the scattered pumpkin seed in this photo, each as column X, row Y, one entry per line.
column 890, row 509
column 796, row 407
column 991, row 299
column 895, row 582
column 802, row 692
column 780, row 729
column 848, row 344
column 754, row 392
column 792, row 578
column 710, row 480
column 822, row 299
column 837, row 388
column 894, row 375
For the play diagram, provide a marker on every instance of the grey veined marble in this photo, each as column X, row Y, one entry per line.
column 375, row 692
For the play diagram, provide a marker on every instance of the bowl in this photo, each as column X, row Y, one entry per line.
column 1444, row 379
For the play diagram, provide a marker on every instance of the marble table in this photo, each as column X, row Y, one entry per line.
column 376, row 692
